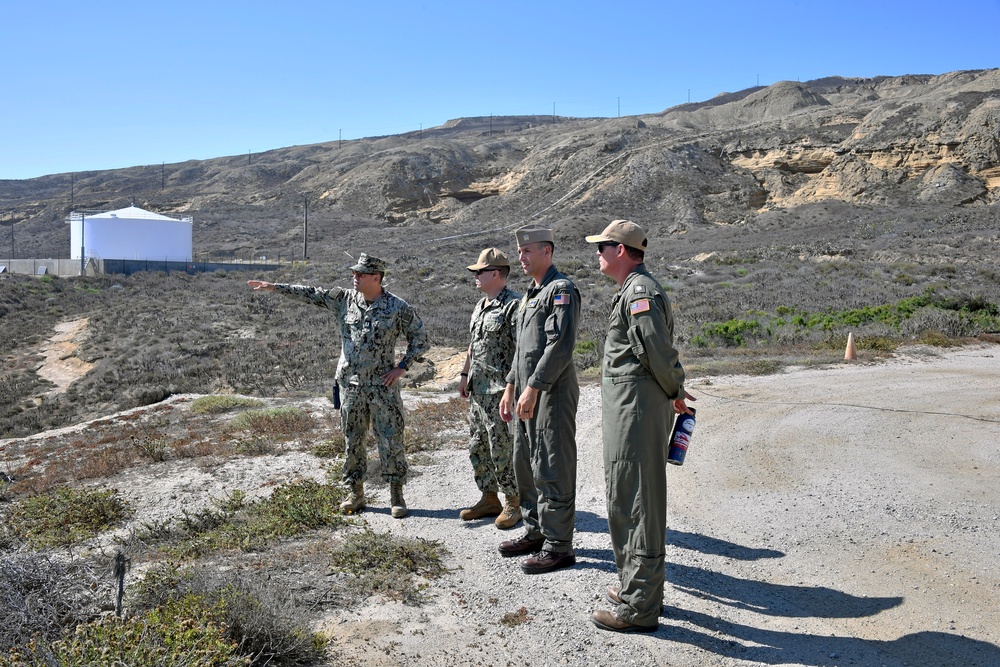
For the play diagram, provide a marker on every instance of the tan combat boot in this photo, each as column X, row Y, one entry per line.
column 396, row 500
column 511, row 513
column 355, row 499
column 488, row 505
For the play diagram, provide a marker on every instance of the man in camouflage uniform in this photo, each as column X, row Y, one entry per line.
column 641, row 389
column 483, row 380
column 371, row 320
column 542, row 392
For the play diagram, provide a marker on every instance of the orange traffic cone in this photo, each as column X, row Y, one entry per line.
column 850, row 354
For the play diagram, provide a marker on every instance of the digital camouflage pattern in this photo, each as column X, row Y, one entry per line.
column 491, row 446
column 493, row 342
column 545, row 445
column 641, row 376
column 368, row 334
column 492, row 346
column 382, row 407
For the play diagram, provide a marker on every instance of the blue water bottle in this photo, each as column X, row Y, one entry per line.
column 681, row 438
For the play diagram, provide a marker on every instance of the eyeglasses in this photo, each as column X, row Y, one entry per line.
column 480, row 272
column 603, row 245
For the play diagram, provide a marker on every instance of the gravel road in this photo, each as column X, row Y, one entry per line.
column 837, row 516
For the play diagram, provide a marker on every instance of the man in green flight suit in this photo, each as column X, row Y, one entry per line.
column 371, row 320
column 483, row 380
column 542, row 392
column 642, row 387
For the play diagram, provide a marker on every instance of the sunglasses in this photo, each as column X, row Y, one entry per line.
column 603, row 245
column 482, row 271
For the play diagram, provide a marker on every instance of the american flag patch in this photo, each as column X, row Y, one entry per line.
column 561, row 299
column 640, row 306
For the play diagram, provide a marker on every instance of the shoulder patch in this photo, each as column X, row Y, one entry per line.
column 639, row 288
column 561, row 299
column 639, row 306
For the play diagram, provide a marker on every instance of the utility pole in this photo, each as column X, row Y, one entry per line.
column 305, row 229
column 83, row 243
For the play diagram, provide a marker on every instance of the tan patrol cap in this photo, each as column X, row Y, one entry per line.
column 368, row 264
column 625, row 232
column 533, row 234
column 490, row 257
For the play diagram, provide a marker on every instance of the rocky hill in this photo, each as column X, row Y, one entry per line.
column 911, row 143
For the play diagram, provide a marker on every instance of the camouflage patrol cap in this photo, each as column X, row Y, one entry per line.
column 625, row 232
column 533, row 234
column 368, row 264
column 490, row 257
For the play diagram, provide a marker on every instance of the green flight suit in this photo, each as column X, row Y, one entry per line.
column 641, row 377
column 545, row 445
column 368, row 334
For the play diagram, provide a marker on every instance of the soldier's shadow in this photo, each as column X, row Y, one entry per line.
column 418, row 512
column 716, row 547
column 771, row 647
column 774, row 599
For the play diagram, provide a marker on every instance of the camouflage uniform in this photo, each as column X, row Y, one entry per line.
column 641, row 377
column 368, row 334
column 492, row 347
column 545, row 444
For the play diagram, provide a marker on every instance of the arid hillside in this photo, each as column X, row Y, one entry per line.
column 927, row 144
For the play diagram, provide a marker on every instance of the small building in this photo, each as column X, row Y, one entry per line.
column 130, row 233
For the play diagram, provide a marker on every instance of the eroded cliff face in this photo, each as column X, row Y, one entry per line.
column 933, row 138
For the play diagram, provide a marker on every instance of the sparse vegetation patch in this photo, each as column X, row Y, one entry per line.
column 381, row 563
column 65, row 516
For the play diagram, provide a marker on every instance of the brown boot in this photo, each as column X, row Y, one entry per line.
column 488, row 505
column 511, row 513
column 355, row 499
column 396, row 500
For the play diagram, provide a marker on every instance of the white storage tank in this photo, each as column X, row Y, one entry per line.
column 130, row 233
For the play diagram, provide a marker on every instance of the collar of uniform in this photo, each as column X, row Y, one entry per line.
column 639, row 270
column 549, row 276
column 384, row 296
column 497, row 299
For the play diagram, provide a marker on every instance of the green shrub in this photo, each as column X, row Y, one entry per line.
column 332, row 448
column 274, row 422
column 65, row 516
column 389, row 565
column 257, row 618
column 218, row 403
column 232, row 523
column 183, row 633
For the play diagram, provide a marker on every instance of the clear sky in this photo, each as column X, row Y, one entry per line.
column 109, row 83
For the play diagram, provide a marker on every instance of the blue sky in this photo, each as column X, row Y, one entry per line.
column 112, row 84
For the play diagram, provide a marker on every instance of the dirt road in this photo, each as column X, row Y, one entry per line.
column 837, row 516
